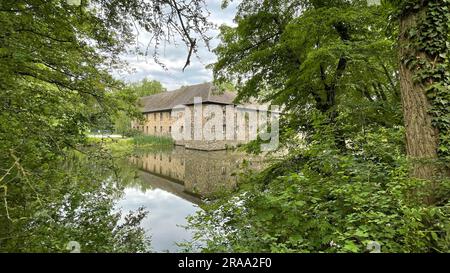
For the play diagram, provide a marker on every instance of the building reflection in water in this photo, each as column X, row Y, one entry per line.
column 200, row 172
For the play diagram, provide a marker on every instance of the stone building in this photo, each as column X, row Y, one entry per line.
column 157, row 110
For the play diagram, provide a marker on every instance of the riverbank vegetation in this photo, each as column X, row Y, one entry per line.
column 355, row 81
column 124, row 147
column 142, row 140
column 56, row 65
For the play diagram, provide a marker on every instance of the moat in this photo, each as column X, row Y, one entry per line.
column 170, row 184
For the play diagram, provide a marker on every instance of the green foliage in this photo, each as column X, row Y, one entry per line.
column 54, row 87
column 340, row 178
column 338, row 181
column 56, row 83
column 428, row 58
column 75, row 202
column 332, row 57
column 154, row 140
column 122, row 119
column 125, row 147
column 146, row 87
column 318, row 200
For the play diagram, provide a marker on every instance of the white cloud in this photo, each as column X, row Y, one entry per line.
column 174, row 56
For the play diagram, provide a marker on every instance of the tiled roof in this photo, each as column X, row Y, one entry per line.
column 185, row 96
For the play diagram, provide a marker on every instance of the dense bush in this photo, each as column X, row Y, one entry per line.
column 319, row 200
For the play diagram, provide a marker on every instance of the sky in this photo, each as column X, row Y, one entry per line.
column 174, row 56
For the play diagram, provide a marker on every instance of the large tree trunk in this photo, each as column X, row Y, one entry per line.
column 421, row 137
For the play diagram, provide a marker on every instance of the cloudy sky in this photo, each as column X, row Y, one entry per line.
column 174, row 56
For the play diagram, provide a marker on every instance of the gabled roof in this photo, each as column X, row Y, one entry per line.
column 185, row 96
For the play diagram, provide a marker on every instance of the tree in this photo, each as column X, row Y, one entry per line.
column 332, row 65
column 56, row 62
column 424, row 78
column 312, row 56
column 145, row 87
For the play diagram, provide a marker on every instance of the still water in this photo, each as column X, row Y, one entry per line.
column 170, row 183
column 167, row 213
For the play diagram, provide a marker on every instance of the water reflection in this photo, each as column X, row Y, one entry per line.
column 200, row 172
column 168, row 183
column 167, row 213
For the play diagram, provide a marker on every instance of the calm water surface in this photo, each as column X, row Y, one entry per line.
column 168, row 184
column 167, row 213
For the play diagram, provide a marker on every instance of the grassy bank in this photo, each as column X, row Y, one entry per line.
column 142, row 140
column 125, row 146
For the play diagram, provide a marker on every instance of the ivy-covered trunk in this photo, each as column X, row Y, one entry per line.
column 424, row 85
column 421, row 136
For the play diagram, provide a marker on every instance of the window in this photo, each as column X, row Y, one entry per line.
column 181, row 129
column 154, row 116
column 160, row 116
column 160, row 129
column 170, row 158
column 154, row 130
column 224, row 128
column 170, row 129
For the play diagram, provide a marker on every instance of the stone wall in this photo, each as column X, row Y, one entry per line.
column 155, row 123
column 161, row 124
